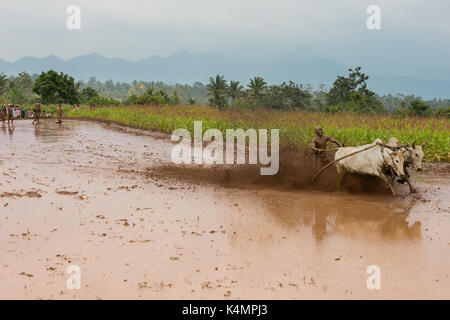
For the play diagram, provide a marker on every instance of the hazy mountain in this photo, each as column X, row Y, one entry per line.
column 300, row 65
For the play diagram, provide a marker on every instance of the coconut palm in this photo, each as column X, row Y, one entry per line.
column 257, row 86
column 234, row 90
column 217, row 88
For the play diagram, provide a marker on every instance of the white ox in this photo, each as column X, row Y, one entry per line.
column 413, row 157
column 374, row 162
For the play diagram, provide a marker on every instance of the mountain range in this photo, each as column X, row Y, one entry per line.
column 300, row 65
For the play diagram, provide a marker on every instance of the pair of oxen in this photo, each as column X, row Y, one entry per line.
column 386, row 161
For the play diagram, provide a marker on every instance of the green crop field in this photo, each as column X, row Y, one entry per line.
column 296, row 127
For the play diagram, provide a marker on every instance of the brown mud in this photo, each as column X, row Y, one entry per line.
column 110, row 201
column 295, row 173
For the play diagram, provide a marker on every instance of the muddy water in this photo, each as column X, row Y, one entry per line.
column 86, row 194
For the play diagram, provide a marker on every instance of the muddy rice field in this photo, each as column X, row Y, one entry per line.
column 109, row 200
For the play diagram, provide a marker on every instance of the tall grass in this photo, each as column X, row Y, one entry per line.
column 296, row 127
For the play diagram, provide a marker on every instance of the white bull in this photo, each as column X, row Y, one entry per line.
column 413, row 157
column 374, row 162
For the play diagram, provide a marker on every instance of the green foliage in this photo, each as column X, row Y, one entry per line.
column 351, row 94
column 122, row 90
column 145, row 99
column 18, row 90
column 234, row 90
column 246, row 104
column 23, row 82
column 358, row 103
column 318, row 97
column 257, row 86
column 151, row 98
column 419, row 108
column 274, row 98
column 401, row 101
column 400, row 112
column 16, row 96
column 56, row 88
column 103, row 101
column 88, row 94
column 3, row 83
column 286, row 96
column 217, row 89
column 174, row 99
column 348, row 95
column 443, row 112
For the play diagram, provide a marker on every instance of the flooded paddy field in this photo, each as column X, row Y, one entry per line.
column 110, row 201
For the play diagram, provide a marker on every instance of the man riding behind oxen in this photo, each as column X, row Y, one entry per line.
column 318, row 145
column 385, row 161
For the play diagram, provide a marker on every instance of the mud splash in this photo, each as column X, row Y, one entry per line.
column 138, row 227
column 295, row 173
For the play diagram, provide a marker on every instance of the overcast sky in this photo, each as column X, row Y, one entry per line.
column 415, row 33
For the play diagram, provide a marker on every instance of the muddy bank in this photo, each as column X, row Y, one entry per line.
column 86, row 195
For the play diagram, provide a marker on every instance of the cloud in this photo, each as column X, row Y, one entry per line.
column 136, row 29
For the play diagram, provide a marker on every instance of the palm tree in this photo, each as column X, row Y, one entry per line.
column 245, row 94
column 234, row 90
column 217, row 89
column 257, row 86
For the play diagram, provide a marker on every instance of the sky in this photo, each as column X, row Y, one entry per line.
column 414, row 35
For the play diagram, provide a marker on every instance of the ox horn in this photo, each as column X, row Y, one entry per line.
column 413, row 144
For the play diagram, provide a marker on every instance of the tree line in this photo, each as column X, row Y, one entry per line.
column 347, row 94
column 52, row 88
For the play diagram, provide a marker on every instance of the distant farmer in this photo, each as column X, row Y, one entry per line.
column 3, row 112
column 10, row 113
column 59, row 113
column 318, row 145
column 37, row 112
column 17, row 112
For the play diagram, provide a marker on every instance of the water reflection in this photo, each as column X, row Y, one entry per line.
column 11, row 129
column 37, row 130
column 45, row 131
column 350, row 216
